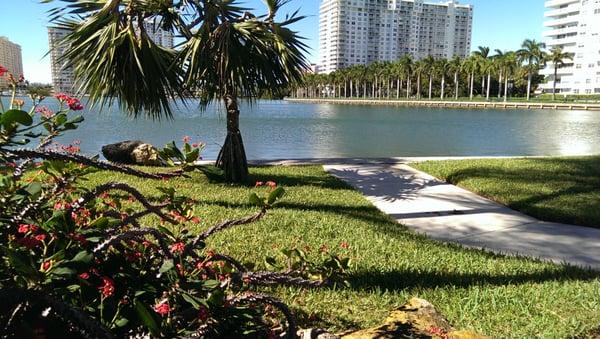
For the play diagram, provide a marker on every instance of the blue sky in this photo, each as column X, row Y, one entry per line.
column 501, row 24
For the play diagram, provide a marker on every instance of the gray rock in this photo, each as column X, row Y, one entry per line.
column 316, row 333
column 132, row 152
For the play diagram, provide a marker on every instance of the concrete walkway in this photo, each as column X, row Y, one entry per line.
column 448, row 213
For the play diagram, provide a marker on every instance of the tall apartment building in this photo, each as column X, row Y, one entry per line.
column 11, row 58
column 63, row 78
column 574, row 25
column 354, row 32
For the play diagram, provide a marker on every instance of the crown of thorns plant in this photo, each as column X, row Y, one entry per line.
column 87, row 262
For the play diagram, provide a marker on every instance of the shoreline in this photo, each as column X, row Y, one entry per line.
column 454, row 104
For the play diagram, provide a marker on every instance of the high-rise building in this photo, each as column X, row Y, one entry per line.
column 63, row 78
column 355, row 32
column 574, row 26
column 11, row 58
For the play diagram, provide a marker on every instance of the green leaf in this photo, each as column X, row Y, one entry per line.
column 121, row 322
column 195, row 302
column 34, row 189
column 146, row 317
column 166, row 266
column 13, row 116
column 255, row 200
column 83, row 257
column 63, row 271
column 275, row 195
column 211, row 284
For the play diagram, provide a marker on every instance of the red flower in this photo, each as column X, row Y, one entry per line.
column 108, row 287
column 271, row 184
column 23, row 228
column 162, row 309
column 203, row 313
column 2, row 71
column 259, row 183
column 84, row 275
column 46, row 265
column 40, row 237
column 74, row 104
column 186, row 139
column 344, row 245
column 177, row 247
column 323, row 249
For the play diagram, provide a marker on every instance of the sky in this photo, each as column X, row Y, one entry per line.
column 498, row 24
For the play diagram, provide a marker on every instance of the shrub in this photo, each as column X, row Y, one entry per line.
column 79, row 262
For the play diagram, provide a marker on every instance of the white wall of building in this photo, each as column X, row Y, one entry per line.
column 355, row 32
column 574, row 25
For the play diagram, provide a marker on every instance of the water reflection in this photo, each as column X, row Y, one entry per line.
column 277, row 129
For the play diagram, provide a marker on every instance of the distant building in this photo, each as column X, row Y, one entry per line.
column 11, row 58
column 63, row 78
column 574, row 25
column 359, row 32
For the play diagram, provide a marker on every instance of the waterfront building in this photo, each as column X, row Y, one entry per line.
column 574, row 26
column 359, row 32
column 63, row 77
column 11, row 58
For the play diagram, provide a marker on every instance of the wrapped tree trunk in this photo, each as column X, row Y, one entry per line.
column 232, row 157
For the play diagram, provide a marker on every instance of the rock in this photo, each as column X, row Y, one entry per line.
column 132, row 152
column 315, row 333
column 416, row 319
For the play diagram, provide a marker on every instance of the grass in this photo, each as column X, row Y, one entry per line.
column 499, row 296
column 565, row 190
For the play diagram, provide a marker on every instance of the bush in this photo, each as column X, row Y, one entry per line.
column 78, row 262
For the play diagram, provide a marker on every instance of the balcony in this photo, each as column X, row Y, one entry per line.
column 558, row 3
column 572, row 40
column 572, row 19
column 572, row 10
column 560, row 31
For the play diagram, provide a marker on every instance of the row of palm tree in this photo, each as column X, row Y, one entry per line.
column 408, row 77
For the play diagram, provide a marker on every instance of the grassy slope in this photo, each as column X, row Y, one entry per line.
column 499, row 296
column 552, row 189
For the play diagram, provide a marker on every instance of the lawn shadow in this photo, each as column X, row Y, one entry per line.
column 215, row 175
column 581, row 177
column 399, row 280
column 403, row 185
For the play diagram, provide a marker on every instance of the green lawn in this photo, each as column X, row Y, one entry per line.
column 492, row 294
column 552, row 189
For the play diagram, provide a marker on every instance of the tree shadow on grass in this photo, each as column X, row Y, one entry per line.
column 581, row 178
column 215, row 176
column 398, row 280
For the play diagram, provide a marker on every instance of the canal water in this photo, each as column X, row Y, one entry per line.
column 280, row 129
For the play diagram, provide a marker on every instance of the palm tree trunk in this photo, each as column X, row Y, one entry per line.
column 500, row 85
column 408, row 88
column 443, row 84
column 471, row 86
column 399, row 88
column 419, row 86
column 430, row 86
column 482, row 85
column 489, row 82
column 232, row 157
column 351, row 88
column 554, row 82
column 528, row 84
column 456, row 85
column 506, row 88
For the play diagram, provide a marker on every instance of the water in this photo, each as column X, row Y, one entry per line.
column 279, row 129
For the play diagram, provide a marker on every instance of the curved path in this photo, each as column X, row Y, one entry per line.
column 449, row 213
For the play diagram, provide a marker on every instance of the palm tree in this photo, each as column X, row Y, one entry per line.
column 498, row 61
column 406, row 67
column 471, row 66
column 533, row 53
column 557, row 57
column 455, row 66
column 226, row 54
column 482, row 54
column 429, row 67
column 418, row 68
column 510, row 66
column 441, row 68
